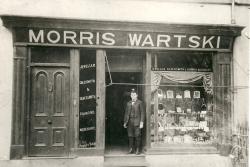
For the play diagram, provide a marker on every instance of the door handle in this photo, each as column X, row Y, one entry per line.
column 50, row 88
column 49, row 122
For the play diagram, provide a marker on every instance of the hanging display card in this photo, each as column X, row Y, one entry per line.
column 187, row 94
column 170, row 94
column 197, row 94
column 87, row 99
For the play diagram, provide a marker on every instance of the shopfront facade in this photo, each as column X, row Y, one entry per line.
column 73, row 77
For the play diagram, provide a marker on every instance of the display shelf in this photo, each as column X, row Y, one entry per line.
column 182, row 127
column 176, row 113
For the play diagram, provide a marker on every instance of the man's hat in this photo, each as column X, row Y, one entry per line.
column 133, row 91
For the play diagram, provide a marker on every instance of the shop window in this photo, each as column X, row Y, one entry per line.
column 49, row 55
column 87, row 99
column 182, row 61
column 182, row 99
column 125, row 60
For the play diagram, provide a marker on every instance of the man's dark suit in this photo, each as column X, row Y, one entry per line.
column 138, row 115
column 134, row 115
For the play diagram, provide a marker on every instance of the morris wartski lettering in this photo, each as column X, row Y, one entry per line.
column 124, row 39
column 71, row 37
column 173, row 41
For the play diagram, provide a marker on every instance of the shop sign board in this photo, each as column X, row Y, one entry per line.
column 122, row 39
column 181, row 69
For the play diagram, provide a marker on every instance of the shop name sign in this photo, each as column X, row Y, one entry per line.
column 127, row 39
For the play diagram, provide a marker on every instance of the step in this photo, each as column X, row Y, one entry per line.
column 182, row 150
column 188, row 160
column 125, row 160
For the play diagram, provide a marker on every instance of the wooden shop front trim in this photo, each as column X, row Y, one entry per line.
column 99, row 36
column 117, row 34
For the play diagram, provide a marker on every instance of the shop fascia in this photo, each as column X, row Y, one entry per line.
column 124, row 39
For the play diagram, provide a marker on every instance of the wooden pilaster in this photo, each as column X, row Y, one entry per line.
column 100, row 98
column 147, row 95
column 223, row 96
column 19, row 105
column 74, row 92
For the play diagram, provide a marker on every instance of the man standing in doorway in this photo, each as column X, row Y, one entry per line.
column 133, row 121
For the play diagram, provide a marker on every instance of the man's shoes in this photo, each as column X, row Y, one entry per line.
column 131, row 151
column 137, row 151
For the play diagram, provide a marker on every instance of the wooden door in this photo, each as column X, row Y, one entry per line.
column 49, row 114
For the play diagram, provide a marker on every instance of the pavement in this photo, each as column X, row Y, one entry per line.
column 175, row 160
column 192, row 160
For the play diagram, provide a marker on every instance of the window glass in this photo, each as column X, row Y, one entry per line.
column 87, row 99
column 49, row 55
column 181, row 104
column 182, row 61
column 124, row 60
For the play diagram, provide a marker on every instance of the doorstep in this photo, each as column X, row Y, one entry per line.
column 188, row 160
column 172, row 160
column 93, row 161
column 182, row 149
column 119, row 160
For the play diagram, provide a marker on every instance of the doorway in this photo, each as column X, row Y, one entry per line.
column 49, row 102
column 48, row 133
column 116, row 140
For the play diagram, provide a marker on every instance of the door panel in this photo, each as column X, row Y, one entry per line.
column 58, row 138
column 48, row 135
column 41, row 94
column 59, row 94
column 41, row 136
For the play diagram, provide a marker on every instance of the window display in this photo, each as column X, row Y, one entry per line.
column 181, row 114
column 187, row 94
column 170, row 94
column 196, row 94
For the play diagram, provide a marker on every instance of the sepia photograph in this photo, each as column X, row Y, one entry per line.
column 124, row 83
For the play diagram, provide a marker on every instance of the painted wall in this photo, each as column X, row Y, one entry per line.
column 241, row 55
column 6, row 68
column 129, row 10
